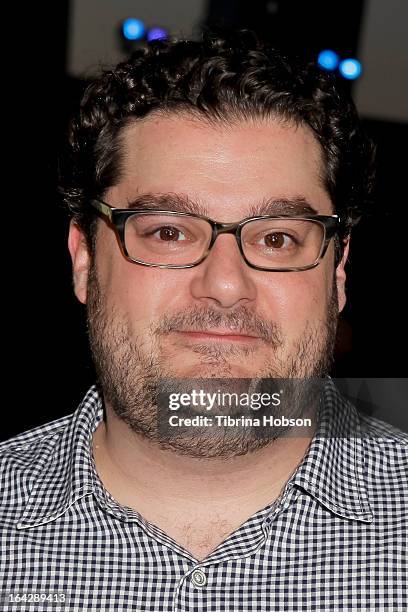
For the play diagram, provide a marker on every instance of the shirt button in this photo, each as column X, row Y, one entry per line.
column 198, row 578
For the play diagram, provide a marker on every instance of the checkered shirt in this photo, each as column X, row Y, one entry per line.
column 336, row 539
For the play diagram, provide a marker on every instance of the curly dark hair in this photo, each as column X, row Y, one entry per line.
column 235, row 76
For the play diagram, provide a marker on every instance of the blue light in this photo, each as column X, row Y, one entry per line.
column 350, row 68
column 133, row 29
column 156, row 34
column 328, row 59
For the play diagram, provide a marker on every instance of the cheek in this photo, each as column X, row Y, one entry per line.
column 297, row 299
column 117, row 276
column 139, row 293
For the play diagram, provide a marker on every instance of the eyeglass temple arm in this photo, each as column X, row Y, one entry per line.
column 103, row 208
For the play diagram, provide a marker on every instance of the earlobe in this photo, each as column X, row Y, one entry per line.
column 81, row 260
column 341, row 275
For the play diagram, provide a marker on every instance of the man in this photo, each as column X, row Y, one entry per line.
column 213, row 186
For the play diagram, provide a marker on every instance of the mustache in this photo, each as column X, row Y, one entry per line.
column 240, row 320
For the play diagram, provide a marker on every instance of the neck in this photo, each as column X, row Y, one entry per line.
column 139, row 474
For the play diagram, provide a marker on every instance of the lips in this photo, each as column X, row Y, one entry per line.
column 218, row 334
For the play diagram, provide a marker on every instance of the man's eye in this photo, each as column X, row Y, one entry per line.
column 168, row 233
column 277, row 240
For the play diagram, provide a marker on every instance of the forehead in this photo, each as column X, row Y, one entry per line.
column 224, row 165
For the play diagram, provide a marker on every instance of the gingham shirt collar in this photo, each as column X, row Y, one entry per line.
column 332, row 470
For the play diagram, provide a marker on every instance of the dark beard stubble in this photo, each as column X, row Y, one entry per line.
column 131, row 380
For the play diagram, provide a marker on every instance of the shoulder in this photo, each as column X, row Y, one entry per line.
column 385, row 449
column 388, row 436
column 24, row 457
column 27, row 442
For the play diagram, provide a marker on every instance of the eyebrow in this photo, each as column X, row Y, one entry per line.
column 297, row 205
column 168, row 201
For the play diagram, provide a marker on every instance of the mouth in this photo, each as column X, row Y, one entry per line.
column 217, row 335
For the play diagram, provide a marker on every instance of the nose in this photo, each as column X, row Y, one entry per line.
column 223, row 278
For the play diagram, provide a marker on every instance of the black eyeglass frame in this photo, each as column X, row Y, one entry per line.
column 117, row 217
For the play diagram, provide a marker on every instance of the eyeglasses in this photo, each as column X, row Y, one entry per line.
column 168, row 239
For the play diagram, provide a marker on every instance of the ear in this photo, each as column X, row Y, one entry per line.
column 81, row 261
column 341, row 275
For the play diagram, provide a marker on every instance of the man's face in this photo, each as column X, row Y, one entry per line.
column 151, row 322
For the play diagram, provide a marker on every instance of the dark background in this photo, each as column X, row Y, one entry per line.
column 47, row 366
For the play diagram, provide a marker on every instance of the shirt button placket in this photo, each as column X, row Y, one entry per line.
column 198, row 578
